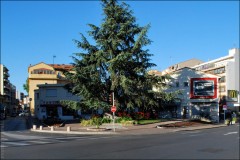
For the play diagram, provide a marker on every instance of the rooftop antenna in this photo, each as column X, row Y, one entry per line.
column 53, row 58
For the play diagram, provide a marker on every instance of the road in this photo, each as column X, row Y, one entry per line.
column 216, row 143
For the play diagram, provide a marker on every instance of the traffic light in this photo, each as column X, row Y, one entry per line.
column 110, row 98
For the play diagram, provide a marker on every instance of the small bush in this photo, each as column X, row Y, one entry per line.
column 106, row 120
column 86, row 123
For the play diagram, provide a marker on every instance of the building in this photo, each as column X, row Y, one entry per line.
column 154, row 72
column 199, row 94
column 47, row 101
column 7, row 91
column 187, row 63
column 227, row 68
column 42, row 73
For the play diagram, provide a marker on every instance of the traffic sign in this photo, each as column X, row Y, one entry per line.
column 113, row 108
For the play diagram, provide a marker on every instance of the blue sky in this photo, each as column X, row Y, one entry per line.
column 34, row 31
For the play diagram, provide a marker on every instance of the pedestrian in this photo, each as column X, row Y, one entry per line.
column 230, row 118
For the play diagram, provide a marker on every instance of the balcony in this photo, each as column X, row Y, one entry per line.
column 6, row 74
column 43, row 76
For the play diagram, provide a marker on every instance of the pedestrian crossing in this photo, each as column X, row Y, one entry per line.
column 5, row 144
column 44, row 141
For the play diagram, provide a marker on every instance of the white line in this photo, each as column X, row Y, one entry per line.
column 39, row 142
column 16, row 143
column 3, row 146
column 196, row 135
column 191, row 132
column 230, row 133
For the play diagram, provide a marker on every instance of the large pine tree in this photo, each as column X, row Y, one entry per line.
column 116, row 62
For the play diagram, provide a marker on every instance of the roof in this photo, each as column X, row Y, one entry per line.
column 61, row 66
column 193, row 70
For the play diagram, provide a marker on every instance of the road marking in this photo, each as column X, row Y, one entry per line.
column 3, row 146
column 191, row 132
column 16, row 143
column 39, row 142
column 230, row 133
column 196, row 134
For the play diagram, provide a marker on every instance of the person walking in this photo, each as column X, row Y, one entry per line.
column 230, row 118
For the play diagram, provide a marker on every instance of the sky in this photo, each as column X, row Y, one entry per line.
column 35, row 31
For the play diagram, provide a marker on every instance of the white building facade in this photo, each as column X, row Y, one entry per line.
column 199, row 94
column 227, row 68
column 47, row 101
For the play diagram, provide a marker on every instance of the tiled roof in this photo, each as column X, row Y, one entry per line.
column 61, row 66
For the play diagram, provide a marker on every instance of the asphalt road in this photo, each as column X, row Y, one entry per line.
column 216, row 143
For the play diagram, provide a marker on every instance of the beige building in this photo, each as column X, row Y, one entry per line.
column 43, row 73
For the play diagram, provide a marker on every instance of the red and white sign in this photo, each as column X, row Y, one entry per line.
column 203, row 88
column 113, row 108
column 224, row 107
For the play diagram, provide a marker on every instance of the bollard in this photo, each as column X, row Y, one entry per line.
column 52, row 129
column 41, row 128
column 68, row 129
column 34, row 127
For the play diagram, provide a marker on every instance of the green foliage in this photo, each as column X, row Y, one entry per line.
column 116, row 62
column 87, row 123
column 70, row 104
column 26, row 86
column 94, row 121
column 106, row 120
column 234, row 119
column 97, row 121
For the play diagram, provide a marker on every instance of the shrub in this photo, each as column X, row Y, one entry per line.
column 86, row 123
column 234, row 119
column 139, row 115
column 106, row 120
column 97, row 121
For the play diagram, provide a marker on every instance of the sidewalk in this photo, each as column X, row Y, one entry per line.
column 108, row 129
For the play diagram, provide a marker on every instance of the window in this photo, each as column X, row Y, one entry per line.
column 222, row 88
column 51, row 93
column 222, row 79
column 185, row 84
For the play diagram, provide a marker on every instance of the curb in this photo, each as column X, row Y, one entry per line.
column 74, row 132
column 200, row 128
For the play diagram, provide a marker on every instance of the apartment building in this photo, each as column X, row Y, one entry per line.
column 43, row 73
column 7, row 91
column 227, row 68
column 48, row 101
